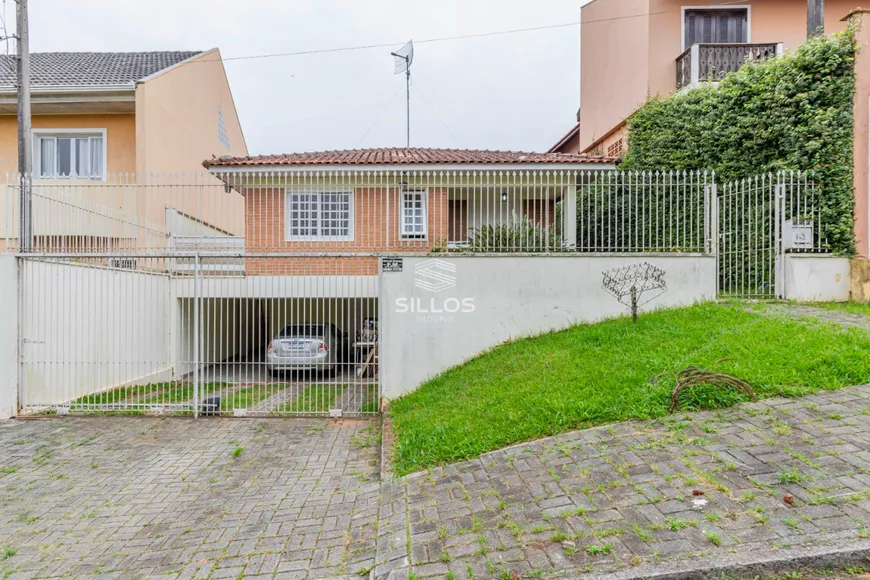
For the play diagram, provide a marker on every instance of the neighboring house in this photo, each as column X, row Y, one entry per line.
column 102, row 120
column 403, row 200
column 632, row 49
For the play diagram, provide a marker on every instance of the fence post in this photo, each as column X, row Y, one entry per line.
column 779, row 256
column 713, row 242
column 196, row 335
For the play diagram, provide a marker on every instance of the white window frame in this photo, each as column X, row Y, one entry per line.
column 319, row 191
column 408, row 235
column 746, row 7
column 38, row 134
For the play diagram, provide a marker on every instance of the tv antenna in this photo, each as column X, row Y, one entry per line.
column 404, row 57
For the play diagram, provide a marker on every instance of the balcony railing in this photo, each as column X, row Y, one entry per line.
column 711, row 62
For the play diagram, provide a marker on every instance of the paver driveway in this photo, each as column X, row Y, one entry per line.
column 136, row 497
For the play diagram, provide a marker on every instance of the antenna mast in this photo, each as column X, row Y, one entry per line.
column 404, row 57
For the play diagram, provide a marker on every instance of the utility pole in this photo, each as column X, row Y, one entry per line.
column 25, row 137
column 408, row 104
column 815, row 18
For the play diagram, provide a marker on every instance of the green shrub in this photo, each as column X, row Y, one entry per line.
column 519, row 234
column 788, row 113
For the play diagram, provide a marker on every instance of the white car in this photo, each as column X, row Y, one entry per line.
column 306, row 347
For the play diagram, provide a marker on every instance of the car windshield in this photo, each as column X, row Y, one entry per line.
column 304, row 330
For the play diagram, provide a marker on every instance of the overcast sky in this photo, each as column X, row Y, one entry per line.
column 517, row 91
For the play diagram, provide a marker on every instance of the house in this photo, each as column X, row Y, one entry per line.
column 632, row 49
column 102, row 121
column 405, row 200
column 317, row 224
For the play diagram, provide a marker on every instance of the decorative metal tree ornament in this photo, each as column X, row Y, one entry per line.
column 629, row 283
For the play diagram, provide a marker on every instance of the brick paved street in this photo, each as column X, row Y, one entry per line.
column 621, row 496
column 129, row 497
column 120, row 497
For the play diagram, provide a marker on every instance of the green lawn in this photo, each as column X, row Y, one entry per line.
column 862, row 308
column 613, row 371
column 121, row 395
column 315, row 399
column 248, row 397
column 182, row 393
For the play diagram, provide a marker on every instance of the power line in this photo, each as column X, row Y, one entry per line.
column 445, row 38
column 391, row 44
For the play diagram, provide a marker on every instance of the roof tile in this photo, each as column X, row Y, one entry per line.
column 406, row 156
column 77, row 69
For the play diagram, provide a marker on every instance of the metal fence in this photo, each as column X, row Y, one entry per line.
column 258, row 293
column 289, row 212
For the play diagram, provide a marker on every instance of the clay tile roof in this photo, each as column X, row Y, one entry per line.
column 77, row 69
column 404, row 156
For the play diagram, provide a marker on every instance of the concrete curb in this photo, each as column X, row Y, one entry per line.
column 387, row 440
column 835, row 553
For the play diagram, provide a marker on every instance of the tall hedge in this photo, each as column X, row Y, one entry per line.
column 787, row 113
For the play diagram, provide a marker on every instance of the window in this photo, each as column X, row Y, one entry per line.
column 319, row 215
column 715, row 26
column 222, row 131
column 413, row 214
column 74, row 154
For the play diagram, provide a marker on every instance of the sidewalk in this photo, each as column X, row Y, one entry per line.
column 693, row 489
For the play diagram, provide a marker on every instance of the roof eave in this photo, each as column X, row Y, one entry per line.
column 170, row 68
column 398, row 168
column 51, row 89
column 567, row 137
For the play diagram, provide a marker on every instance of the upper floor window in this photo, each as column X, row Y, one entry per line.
column 79, row 154
column 222, row 131
column 715, row 26
column 325, row 215
column 413, row 214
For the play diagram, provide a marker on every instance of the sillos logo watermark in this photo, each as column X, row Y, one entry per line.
column 435, row 276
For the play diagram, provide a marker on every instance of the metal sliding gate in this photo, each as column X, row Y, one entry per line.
column 200, row 334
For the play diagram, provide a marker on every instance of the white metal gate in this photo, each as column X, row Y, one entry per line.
column 150, row 336
column 759, row 219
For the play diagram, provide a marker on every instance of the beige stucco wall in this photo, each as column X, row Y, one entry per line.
column 616, row 78
column 177, row 116
column 120, row 137
column 177, row 129
column 614, row 37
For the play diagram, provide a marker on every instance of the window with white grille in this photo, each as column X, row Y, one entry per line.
column 79, row 155
column 319, row 215
column 413, row 214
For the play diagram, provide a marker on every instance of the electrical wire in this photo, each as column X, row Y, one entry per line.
column 448, row 38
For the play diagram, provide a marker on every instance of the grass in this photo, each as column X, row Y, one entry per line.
column 791, row 476
column 181, row 393
column 247, row 398
column 371, row 403
column 594, row 374
column 862, row 308
column 315, row 399
column 158, row 393
column 124, row 394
